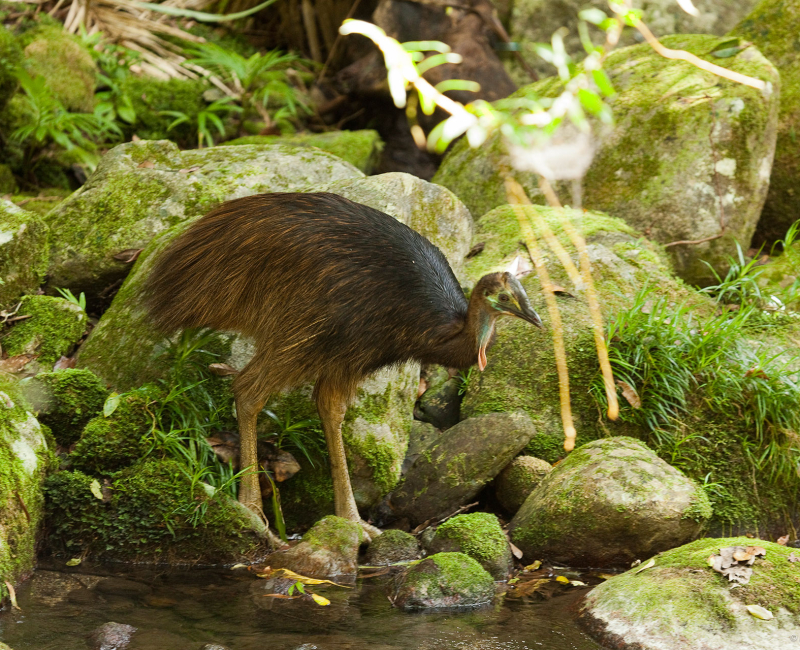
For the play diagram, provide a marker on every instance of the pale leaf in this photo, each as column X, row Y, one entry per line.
column 630, row 394
column 532, row 567
column 783, row 541
column 320, row 600
column 650, row 563
column 222, row 369
column 97, row 491
column 688, row 7
column 515, row 551
column 147, row 164
column 760, row 612
column 73, row 562
column 111, row 404
column 12, row 595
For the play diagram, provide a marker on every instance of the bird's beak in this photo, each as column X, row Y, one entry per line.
column 526, row 313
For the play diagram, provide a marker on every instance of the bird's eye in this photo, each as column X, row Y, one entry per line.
column 503, row 297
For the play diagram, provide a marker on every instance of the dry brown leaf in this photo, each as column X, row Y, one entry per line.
column 12, row 595
column 222, row 369
column 756, row 372
column 15, row 364
column 527, row 588
column 284, row 466
column 146, row 164
column 64, row 363
column 476, row 249
column 515, row 551
column 756, row 550
column 742, row 556
column 783, row 541
column 630, row 394
column 793, row 557
column 128, row 255
column 135, row 138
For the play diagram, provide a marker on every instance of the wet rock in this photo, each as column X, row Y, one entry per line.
column 518, row 479
column 681, row 603
column 673, row 166
column 422, row 436
column 478, row 535
column 123, row 587
column 444, row 580
column 330, row 548
column 214, row 646
column 772, row 27
column 111, row 636
column 141, row 189
column 24, row 249
column 54, row 327
column 83, row 597
column 459, row 464
column 65, row 400
column 609, row 503
column 360, row 148
column 393, row 546
column 440, row 405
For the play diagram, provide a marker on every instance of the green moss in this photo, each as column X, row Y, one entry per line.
column 445, row 579
column 66, row 400
column 478, row 534
column 359, row 148
column 307, row 496
column 65, row 64
column 111, row 443
column 10, row 58
column 149, row 516
column 393, row 546
column 335, row 534
column 54, row 326
column 24, row 250
column 152, row 96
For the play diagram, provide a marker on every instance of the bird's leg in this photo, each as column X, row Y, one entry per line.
column 249, row 490
column 332, row 405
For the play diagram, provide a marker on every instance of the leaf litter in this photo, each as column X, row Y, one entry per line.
column 735, row 562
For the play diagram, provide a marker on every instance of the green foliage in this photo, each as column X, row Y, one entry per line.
column 261, row 81
column 674, row 360
column 464, row 379
column 113, row 62
column 302, row 436
column 207, row 117
column 68, row 295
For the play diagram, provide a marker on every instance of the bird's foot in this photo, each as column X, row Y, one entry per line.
column 370, row 531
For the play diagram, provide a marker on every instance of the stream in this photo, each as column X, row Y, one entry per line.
column 185, row 609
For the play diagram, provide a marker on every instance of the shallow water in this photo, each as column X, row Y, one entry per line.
column 177, row 610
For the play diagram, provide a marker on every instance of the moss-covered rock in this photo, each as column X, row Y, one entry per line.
column 360, row 148
column 689, row 150
column 780, row 277
column 773, row 26
column 330, row 548
column 111, row 443
column 444, row 580
column 461, row 461
column 66, row 65
column 65, row 400
column 518, row 479
column 608, row 503
column 8, row 184
column 393, row 546
column 153, row 512
column 140, row 189
column 440, row 404
column 54, row 327
column 535, row 21
column 478, row 535
column 24, row 461
column 422, row 436
column 682, row 604
column 24, row 250
column 10, row 58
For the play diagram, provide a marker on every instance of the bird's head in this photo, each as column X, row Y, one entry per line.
column 501, row 294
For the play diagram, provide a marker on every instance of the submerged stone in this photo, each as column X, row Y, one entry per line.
column 682, row 604
column 24, row 249
column 518, row 479
column 111, row 636
column 330, row 548
column 461, row 461
column 393, row 546
column 689, row 151
column 478, row 535
column 609, row 503
column 444, row 580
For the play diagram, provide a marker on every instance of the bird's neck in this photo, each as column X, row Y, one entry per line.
column 461, row 350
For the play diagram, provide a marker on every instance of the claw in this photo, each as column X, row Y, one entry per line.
column 370, row 531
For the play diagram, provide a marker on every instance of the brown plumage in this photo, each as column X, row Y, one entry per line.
column 330, row 291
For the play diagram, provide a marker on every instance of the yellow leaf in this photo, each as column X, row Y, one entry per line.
column 305, row 579
column 94, row 486
column 649, row 564
column 759, row 612
column 320, row 600
column 534, row 566
column 562, row 580
column 12, row 595
column 74, row 561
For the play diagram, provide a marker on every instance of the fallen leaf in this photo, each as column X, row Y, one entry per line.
column 5, row 400
column 515, row 551
column 222, row 369
column 284, row 596
column 533, row 566
column 756, row 550
column 303, row 579
column 528, row 588
column 95, row 489
column 577, row 583
column 238, row 566
column 15, row 364
column 320, row 600
column 650, row 563
column 793, row 558
column 760, row 612
column 73, row 562
column 12, row 595
column 128, row 255
column 563, row 580
column 111, row 404
column 476, row 249
column 189, row 170
column 783, row 541
column 64, row 363
column 147, row 164
column 284, row 466
column 519, row 267
column 742, row 556
column 135, row 138
column 605, row 576
column 559, row 290
column 630, row 394
column 756, row 372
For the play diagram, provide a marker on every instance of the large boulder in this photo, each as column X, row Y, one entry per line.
column 140, row 189
column 24, row 249
column 393, row 546
column 462, row 460
column 609, row 503
column 478, row 535
column 361, row 149
column 444, row 580
column 682, row 604
column 535, row 21
column 773, row 27
column 518, row 479
column 689, row 152
column 24, row 460
column 330, row 548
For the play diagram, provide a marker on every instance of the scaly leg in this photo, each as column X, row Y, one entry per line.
column 332, row 404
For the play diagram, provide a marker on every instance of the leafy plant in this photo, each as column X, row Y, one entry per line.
column 209, row 116
column 68, row 295
column 740, row 285
column 464, row 379
column 261, row 82
column 302, row 436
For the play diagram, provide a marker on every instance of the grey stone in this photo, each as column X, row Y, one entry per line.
column 111, row 636
column 440, row 404
column 393, row 546
column 518, row 479
column 444, row 580
column 478, row 535
column 24, row 250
